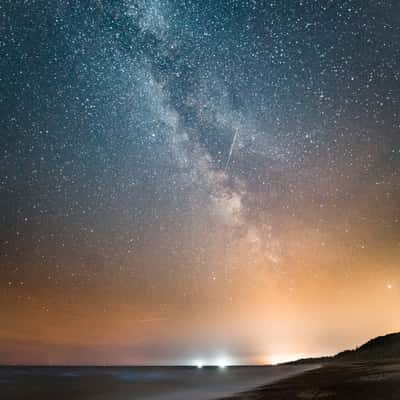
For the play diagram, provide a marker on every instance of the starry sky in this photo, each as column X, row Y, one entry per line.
column 184, row 180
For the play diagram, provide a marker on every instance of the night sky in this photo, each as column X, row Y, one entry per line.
column 185, row 180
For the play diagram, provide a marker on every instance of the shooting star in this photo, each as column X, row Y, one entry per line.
column 231, row 149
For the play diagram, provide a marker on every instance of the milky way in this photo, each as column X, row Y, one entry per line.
column 183, row 178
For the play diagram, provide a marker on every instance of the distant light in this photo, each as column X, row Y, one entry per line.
column 389, row 286
column 222, row 363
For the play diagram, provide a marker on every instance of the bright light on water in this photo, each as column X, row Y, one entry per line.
column 222, row 363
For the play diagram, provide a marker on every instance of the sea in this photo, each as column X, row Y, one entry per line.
column 136, row 383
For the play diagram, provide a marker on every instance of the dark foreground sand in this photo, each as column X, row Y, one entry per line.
column 345, row 381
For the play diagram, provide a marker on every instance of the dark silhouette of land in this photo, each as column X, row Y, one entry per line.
column 380, row 348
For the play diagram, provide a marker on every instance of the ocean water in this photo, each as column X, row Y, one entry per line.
column 135, row 383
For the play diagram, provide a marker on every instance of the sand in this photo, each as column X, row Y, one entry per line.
column 344, row 381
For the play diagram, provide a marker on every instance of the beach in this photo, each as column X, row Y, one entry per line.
column 370, row 380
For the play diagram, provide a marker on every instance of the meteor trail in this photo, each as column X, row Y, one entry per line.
column 231, row 150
